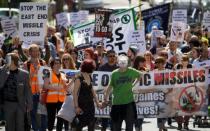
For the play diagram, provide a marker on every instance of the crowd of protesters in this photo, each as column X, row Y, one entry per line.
column 21, row 92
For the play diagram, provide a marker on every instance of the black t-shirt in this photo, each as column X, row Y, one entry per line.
column 10, row 87
column 107, row 67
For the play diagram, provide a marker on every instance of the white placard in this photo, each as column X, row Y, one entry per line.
column 83, row 16
column 177, row 31
column 138, row 37
column 9, row 27
column 206, row 21
column 123, row 24
column 179, row 16
column 63, row 19
column 84, row 34
column 74, row 18
column 154, row 34
column 32, row 21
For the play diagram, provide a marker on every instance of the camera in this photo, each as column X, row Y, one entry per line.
column 46, row 73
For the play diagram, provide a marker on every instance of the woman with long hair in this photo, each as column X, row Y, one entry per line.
column 67, row 62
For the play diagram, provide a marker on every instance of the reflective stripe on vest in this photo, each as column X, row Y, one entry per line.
column 54, row 96
column 34, row 79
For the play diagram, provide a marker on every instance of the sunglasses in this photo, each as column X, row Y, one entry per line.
column 57, row 63
column 111, row 56
column 65, row 59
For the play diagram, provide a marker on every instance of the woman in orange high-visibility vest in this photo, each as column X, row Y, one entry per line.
column 56, row 86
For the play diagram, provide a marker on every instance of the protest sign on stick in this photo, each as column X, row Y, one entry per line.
column 32, row 21
column 9, row 27
column 103, row 27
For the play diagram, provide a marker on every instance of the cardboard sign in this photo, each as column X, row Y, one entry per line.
column 9, row 27
column 83, row 16
column 32, row 21
column 206, row 21
column 179, row 16
column 84, row 34
column 123, row 24
column 74, row 18
column 155, row 34
column 177, row 31
column 62, row 19
column 138, row 38
column 103, row 27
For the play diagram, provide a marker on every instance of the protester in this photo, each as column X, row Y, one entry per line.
column 139, row 64
column 123, row 105
column 17, row 95
column 149, row 64
column 132, row 52
column 174, row 54
column 56, row 86
column 109, row 66
column 68, row 45
column 159, row 63
column 195, row 54
column 68, row 62
column 1, row 58
column 183, row 119
column 74, row 54
column 84, row 96
column 32, row 66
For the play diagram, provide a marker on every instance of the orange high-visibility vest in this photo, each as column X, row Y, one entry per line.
column 34, row 78
column 54, row 96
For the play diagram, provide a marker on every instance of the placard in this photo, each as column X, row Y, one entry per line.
column 32, row 21
column 137, row 38
column 9, row 27
column 179, row 16
column 103, row 27
column 177, row 31
column 63, row 19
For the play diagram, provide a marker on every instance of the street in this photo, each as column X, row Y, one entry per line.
column 151, row 125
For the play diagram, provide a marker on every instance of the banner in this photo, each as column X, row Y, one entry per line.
column 157, row 16
column 102, row 25
column 84, row 34
column 171, row 93
column 9, row 27
column 123, row 23
column 179, row 16
column 32, row 21
column 158, row 94
column 177, row 31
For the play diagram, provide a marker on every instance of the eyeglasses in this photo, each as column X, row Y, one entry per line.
column 111, row 56
column 65, row 59
column 57, row 63
column 164, row 54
